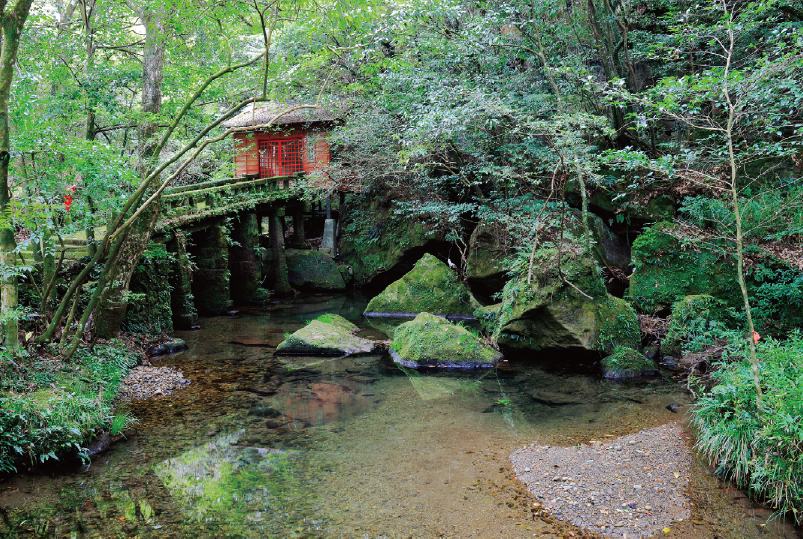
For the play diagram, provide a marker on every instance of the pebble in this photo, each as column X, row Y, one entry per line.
column 633, row 486
column 146, row 382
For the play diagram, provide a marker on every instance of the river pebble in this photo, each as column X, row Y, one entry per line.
column 633, row 486
column 146, row 382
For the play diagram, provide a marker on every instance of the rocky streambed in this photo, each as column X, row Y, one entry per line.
column 631, row 486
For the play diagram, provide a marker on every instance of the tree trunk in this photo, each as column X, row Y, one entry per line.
column 113, row 304
column 13, row 21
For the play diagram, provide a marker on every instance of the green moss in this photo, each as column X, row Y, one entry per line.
column 626, row 363
column 430, row 339
column 618, row 325
column 548, row 313
column 43, row 422
column 430, row 286
column 337, row 320
column 313, row 271
column 332, row 337
column 486, row 253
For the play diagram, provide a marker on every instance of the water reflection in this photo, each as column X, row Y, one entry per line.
column 260, row 446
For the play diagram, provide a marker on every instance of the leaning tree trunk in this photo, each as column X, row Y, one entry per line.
column 13, row 21
column 113, row 304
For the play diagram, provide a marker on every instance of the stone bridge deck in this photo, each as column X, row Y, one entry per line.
column 188, row 205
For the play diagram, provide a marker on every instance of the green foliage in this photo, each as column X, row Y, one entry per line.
column 670, row 266
column 62, row 415
column 760, row 449
column 149, row 310
column 120, row 422
column 696, row 322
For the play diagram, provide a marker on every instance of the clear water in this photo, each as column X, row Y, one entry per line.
column 260, row 446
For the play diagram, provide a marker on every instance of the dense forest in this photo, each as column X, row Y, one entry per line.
column 616, row 177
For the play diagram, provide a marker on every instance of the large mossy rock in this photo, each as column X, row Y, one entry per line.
column 549, row 314
column 313, row 271
column 329, row 335
column 375, row 241
column 429, row 287
column 667, row 271
column 487, row 248
column 626, row 363
column 430, row 340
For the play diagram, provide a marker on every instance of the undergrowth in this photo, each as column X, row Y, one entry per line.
column 760, row 448
column 48, row 408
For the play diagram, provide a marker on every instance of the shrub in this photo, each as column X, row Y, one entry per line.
column 760, row 449
column 698, row 321
column 39, row 425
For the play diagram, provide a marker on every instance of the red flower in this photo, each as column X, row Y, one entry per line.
column 756, row 337
column 68, row 197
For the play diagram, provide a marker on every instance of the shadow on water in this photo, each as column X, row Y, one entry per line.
column 262, row 446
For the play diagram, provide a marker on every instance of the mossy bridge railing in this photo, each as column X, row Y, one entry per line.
column 187, row 205
column 193, row 203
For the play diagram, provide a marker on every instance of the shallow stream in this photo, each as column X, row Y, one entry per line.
column 260, row 446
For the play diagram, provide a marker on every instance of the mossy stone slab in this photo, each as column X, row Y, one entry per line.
column 431, row 286
column 332, row 338
column 313, row 271
column 430, row 340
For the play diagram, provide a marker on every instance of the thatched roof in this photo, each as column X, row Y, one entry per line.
column 265, row 112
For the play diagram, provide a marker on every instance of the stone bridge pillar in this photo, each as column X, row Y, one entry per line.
column 299, row 239
column 210, row 284
column 244, row 264
column 185, row 315
column 281, row 285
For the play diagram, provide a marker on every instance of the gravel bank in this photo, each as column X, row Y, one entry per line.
column 146, row 382
column 633, row 486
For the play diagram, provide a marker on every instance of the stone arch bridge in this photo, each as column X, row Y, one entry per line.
column 222, row 242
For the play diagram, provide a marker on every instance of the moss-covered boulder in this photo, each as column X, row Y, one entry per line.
column 429, row 287
column 430, row 340
column 627, row 363
column 313, row 271
column 695, row 315
column 548, row 313
column 328, row 335
column 375, row 240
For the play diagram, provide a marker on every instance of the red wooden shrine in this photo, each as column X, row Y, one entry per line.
column 283, row 153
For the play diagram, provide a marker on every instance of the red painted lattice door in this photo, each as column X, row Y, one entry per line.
column 279, row 157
